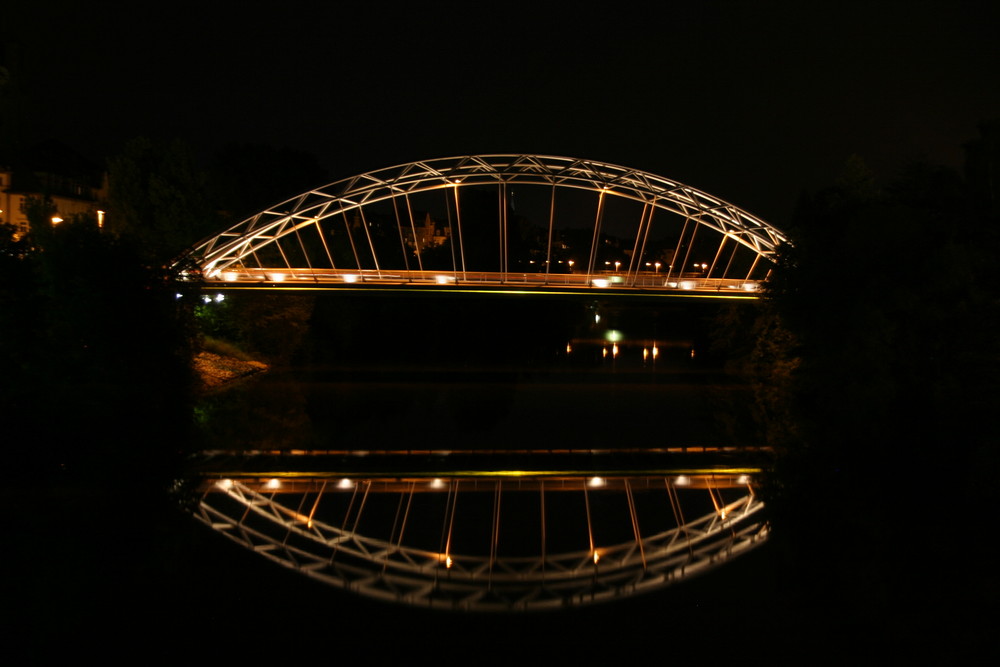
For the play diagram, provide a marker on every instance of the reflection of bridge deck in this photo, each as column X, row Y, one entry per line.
column 533, row 463
column 466, row 530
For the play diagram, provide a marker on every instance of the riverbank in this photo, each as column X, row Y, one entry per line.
column 215, row 370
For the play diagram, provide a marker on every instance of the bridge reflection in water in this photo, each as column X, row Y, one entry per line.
column 469, row 531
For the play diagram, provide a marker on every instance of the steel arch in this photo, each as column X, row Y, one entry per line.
column 292, row 227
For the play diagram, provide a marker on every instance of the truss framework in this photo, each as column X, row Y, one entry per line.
column 253, row 514
column 289, row 227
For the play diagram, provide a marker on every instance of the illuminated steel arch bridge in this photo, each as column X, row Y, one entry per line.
column 497, row 222
column 465, row 531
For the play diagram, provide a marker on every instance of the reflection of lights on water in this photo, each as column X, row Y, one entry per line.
column 373, row 575
column 614, row 350
column 597, row 318
column 656, row 352
column 604, row 351
column 692, row 353
column 645, row 353
column 219, row 298
column 569, row 348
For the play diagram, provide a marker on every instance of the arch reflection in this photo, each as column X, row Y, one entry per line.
column 489, row 539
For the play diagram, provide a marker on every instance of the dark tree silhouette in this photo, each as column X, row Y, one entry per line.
column 885, row 315
column 97, row 353
column 158, row 199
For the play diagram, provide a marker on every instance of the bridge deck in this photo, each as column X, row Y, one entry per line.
column 483, row 280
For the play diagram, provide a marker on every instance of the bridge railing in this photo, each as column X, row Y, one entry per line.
column 653, row 281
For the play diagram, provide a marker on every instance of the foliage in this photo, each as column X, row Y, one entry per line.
column 879, row 333
column 158, row 199
column 96, row 352
column 889, row 310
column 268, row 326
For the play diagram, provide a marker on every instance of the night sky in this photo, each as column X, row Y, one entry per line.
column 753, row 102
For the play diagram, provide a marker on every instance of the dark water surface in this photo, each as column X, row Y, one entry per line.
column 494, row 373
column 454, row 373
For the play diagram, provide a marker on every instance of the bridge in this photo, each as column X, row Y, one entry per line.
column 496, row 222
column 492, row 531
column 468, row 531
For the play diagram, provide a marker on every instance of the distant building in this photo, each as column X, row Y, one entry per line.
column 73, row 185
column 429, row 234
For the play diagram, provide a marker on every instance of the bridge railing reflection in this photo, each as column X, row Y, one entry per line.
column 473, row 540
